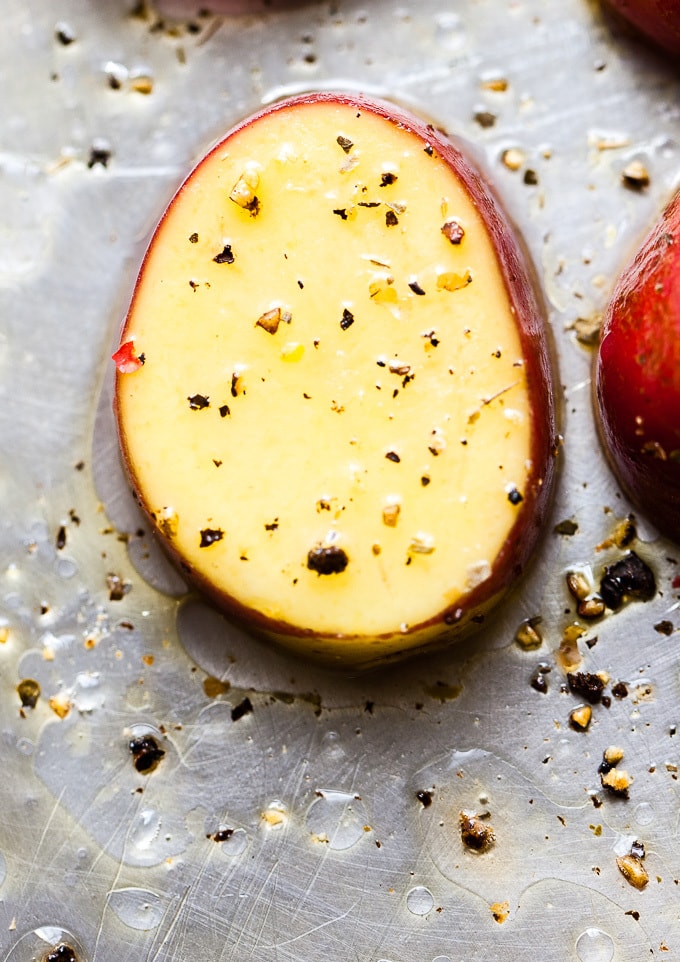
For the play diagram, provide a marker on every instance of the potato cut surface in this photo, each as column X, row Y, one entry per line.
column 331, row 425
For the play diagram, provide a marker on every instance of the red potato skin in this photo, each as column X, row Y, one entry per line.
column 659, row 20
column 637, row 376
column 541, row 371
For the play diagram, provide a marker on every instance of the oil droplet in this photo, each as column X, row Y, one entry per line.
column 137, row 908
column 337, row 818
column 145, row 829
column 644, row 814
column 420, row 900
column 48, row 941
column 442, row 958
column 594, row 945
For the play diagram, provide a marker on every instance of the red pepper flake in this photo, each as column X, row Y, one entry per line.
column 226, row 256
column 210, row 536
column 676, row 581
column 453, row 231
column 347, row 319
column 126, row 360
column 197, row 402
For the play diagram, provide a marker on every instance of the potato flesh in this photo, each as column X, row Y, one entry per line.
column 401, row 436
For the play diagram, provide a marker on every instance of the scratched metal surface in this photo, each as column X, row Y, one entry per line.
column 328, row 853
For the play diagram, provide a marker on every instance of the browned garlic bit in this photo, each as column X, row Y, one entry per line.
column 476, row 833
column 580, row 718
column 243, row 192
column 632, row 869
column 615, row 780
column 528, row 636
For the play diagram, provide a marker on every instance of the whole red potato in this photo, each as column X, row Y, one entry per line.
column 659, row 20
column 637, row 376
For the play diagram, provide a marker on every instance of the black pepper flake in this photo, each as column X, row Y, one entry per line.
column 631, row 576
column 530, row 177
column 425, row 480
column 29, row 692
column 453, row 231
column 538, row 681
column 62, row 953
column 567, row 528
column 620, row 690
column 485, row 118
column 117, row 587
column 587, row 685
column 99, row 155
column 391, row 219
column 425, row 798
column 244, row 707
column 235, row 385
column 300, row 285
column 226, row 256
column 210, row 536
column 221, row 835
column 146, row 753
column 368, row 203
column 341, row 212
column 429, row 150
column 514, row 496
column 64, row 34
column 327, row 559
column 193, row 238
column 272, row 526
column 393, row 456
column 217, row 462
column 416, row 288
column 347, row 319
column 345, row 143
column 387, row 179
column 197, row 402
column 224, row 410
column 664, row 627
column 61, row 538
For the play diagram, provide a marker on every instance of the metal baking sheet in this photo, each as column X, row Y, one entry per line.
column 297, row 814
